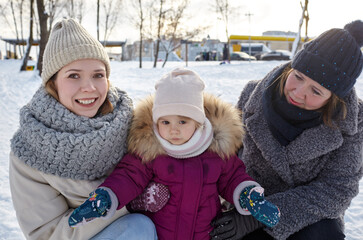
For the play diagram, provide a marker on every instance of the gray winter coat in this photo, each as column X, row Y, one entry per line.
column 314, row 177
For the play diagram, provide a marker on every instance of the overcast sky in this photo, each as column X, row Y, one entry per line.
column 285, row 15
column 266, row 15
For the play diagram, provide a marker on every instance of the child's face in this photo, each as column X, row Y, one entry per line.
column 82, row 86
column 176, row 129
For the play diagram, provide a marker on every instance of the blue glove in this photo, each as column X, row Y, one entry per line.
column 95, row 206
column 264, row 211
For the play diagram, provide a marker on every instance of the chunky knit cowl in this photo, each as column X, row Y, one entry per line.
column 56, row 141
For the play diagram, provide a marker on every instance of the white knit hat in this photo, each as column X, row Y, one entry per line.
column 69, row 42
column 179, row 92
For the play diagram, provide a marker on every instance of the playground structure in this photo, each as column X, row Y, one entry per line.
column 11, row 46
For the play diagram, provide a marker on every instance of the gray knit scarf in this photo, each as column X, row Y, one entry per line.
column 56, row 141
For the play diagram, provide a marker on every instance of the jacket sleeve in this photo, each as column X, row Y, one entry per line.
column 245, row 94
column 329, row 195
column 233, row 176
column 41, row 210
column 128, row 179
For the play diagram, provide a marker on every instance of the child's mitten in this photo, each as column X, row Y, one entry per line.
column 264, row 211
column 97, row 205
column 154, row 198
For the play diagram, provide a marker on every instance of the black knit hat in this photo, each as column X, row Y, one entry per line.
column 333, row 59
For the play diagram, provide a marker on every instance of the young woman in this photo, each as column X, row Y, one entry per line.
column 304, row 125
column 72, row 134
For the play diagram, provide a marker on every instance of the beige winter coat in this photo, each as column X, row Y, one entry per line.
column 57, row 158
column 38, row 217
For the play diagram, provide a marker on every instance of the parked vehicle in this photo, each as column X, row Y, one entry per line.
column 242, row 56
column 255, row 49
column 276, row 55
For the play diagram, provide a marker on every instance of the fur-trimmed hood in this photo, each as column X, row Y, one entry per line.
column 224, row 117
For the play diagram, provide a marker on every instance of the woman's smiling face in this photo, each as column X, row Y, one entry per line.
column 304, row 92
column 82, row 86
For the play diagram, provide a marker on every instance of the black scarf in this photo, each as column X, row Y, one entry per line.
column 286, row 121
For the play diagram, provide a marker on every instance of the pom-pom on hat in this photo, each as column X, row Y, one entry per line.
column 333, row 59
column 69, row 42
column 179, row 92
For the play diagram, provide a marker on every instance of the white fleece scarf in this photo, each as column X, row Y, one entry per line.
column 196, row 145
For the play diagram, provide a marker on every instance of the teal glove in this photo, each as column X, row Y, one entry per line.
column 264, row 211
column 97, row 205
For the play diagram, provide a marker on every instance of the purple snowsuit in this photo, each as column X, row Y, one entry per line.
column 195, row 183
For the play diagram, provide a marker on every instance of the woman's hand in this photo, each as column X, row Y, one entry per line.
column 232, row 225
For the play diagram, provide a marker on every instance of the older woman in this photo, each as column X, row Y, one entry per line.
column 304, row 125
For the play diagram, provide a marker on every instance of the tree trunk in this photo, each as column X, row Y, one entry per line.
column 44, row 34
column 141, row 35
column 166, row 58
column 30, row 39
column 98, row 20
column 140, row 50
column 228, row 44
column 21, row 24
column 160, row 22
column 16, row 28
column 297, row 41
column 156, row 55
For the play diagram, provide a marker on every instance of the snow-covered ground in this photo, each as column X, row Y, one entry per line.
column 227, row 81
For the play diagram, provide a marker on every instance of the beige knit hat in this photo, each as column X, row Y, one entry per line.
column 68, row 42
column 179, row 92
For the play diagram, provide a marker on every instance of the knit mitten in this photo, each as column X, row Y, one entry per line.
column 97, row 205
column 154, row 198
column 264, row 211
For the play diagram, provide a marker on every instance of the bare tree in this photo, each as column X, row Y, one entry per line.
column 48, row 12
column 111, row 9
column 44, row 33
column 137, row 14
column 141, row 24
column 75, row 9
column 304, row 16
column 224, row 10
column 30, row 39
column 98, row 20
column 137, row 17
column 161, row 20
column 21, row 5
column 12, row 7
column 175, row 31
column 307, row 18
column 53, row 9
column 4, row 14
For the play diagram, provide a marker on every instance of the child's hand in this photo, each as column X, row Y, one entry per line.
column 95, row 206
column 154, row 198
column 264, row 211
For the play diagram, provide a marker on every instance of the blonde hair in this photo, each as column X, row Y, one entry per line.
column 50, row 87
column 328, row 110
